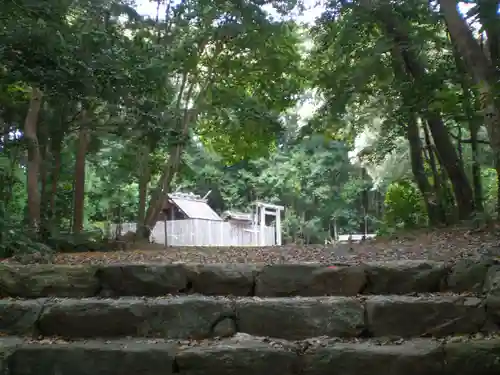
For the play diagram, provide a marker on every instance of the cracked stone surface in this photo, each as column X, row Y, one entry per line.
column 404, row 316
column 182, row 317
column 299, row 318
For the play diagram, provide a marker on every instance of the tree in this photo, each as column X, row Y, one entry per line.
column 375, row 46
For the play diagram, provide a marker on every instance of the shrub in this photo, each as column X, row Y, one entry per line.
column 404, row 206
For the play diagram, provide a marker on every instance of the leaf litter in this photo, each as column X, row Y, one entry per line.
column 439, row 245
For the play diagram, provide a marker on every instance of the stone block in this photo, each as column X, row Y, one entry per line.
column 300, row 318
column 284, row 280
column 404, row 316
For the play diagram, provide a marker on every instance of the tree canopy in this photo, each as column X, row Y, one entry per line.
column 104, row 111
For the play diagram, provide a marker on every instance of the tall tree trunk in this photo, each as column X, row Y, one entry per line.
column 34, row 157
column 415, row 143
column 490, row 20
column 474, row 125
column 482, row 71
column 452, row 165
column 445, row 148
column 79, row 178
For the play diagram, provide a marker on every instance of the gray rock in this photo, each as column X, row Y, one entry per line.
column 8, row 345
column 143, row 280
column 226, row 327
column 410, row 358
column 472, row 357
column 403, row 316
column 300, row 318
column 492, row 291
column 192, row 317
column 224, row 279
column 19, row 317
column 282, row 280
column 407, row 276
column 174, row 317
column 91, row 358
column 45, row 280
column 237, row 356
column 468, row 275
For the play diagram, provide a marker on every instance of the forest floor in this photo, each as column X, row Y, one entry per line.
column 441, row 244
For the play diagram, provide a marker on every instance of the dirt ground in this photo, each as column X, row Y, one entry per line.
column 444, row 244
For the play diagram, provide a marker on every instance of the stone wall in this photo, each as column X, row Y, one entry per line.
column 243, row 355
column 240, row 279
column 201, row 317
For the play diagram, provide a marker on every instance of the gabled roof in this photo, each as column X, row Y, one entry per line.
column 193, row 206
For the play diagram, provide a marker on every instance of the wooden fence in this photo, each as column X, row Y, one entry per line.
column 199, row 232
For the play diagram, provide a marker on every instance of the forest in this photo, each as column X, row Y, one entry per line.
column 377, row 113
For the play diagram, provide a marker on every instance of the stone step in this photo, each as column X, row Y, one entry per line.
column 240, row 279
column 292, row 318
column 247, row 355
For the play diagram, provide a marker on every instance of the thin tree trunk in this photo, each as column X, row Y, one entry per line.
column 144, row 177
column 439, row 186
column 34, row 157
column 418, row 169
column 474, row 125
column 161, row 193
column 476, row 169
column 56, row 147
column 459, row 145
column 79, row 178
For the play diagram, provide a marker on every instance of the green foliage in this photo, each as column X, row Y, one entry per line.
column 221, row 83
column 404, row 206
column 312, row 178
column 490, row 185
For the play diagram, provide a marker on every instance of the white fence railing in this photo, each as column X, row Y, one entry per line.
column 198, row 232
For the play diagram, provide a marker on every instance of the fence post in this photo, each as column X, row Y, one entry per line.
column 278, row 227
column 262, row 226
column 165, row 231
